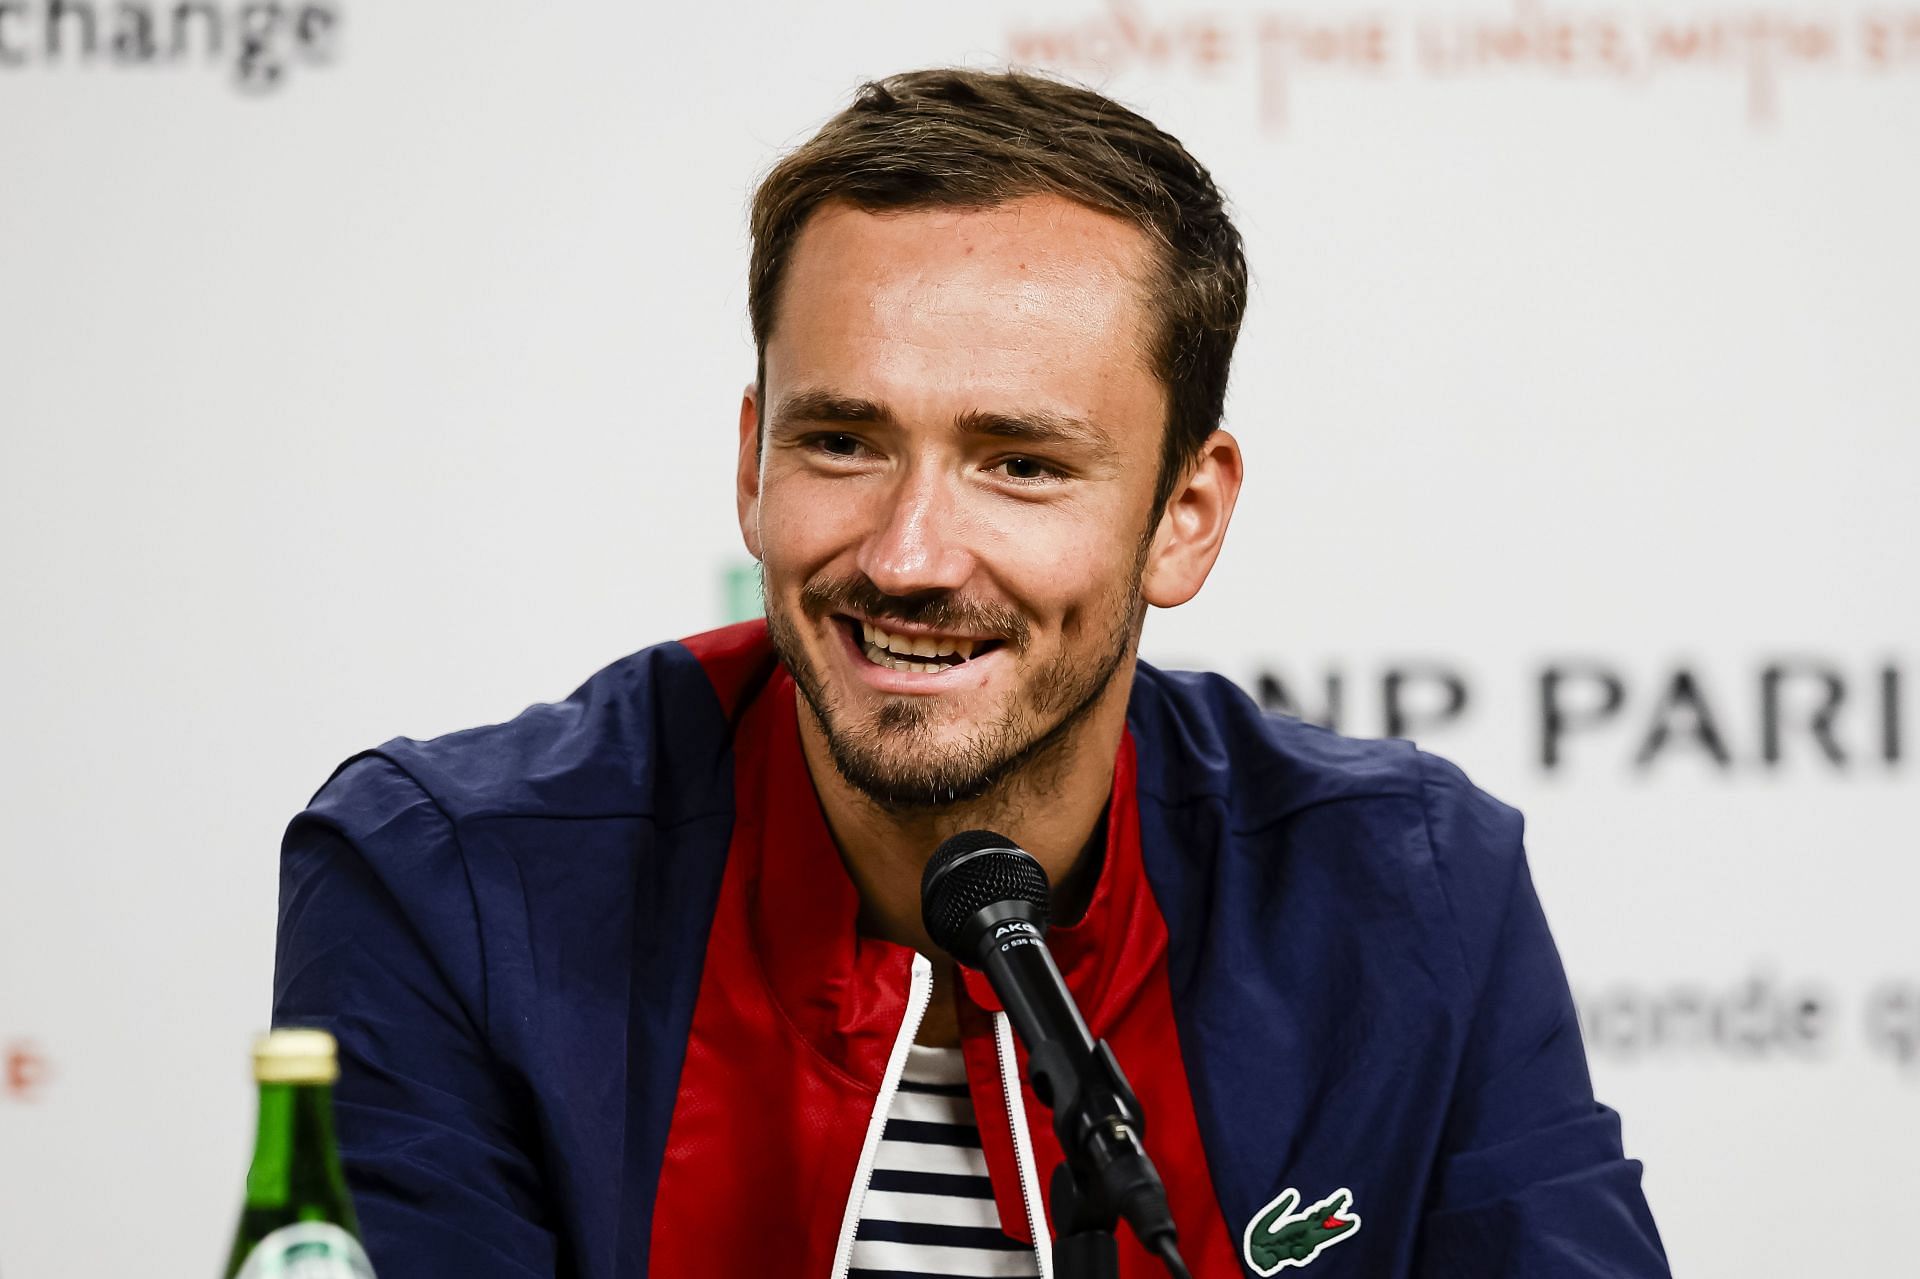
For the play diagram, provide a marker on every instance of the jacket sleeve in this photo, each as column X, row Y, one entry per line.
column 1531, row 1178
column 379, row 943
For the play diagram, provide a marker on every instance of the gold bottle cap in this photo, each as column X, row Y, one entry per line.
column 295, row 1057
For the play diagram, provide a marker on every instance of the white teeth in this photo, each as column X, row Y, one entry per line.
column 898, row 652
column 894, row 662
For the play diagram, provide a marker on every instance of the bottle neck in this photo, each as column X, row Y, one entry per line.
column 295, row 1160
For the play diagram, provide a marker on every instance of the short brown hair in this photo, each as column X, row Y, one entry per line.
column 975, row 139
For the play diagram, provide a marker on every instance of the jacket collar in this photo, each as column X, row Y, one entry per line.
column 842, row 992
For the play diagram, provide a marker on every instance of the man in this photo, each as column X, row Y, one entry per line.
column 638, row 984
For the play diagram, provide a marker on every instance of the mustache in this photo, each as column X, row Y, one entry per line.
column 938, row 610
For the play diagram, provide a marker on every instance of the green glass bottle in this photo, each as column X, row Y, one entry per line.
column 298, row 1221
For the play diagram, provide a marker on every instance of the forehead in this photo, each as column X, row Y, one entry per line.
column 1038, row 297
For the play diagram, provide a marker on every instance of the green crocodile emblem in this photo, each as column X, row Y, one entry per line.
column 1281, row 1236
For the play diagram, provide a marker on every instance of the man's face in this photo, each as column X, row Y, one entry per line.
column 952, row 499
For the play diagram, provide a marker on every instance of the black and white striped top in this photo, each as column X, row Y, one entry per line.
column 929, row 1210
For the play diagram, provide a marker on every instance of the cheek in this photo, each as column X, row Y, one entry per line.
column 1079, row 582
column 803, row 526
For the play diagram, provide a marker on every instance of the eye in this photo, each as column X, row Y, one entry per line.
column 1025, row 469
column 837, row 444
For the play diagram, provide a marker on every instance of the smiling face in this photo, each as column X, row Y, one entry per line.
column 952, row 493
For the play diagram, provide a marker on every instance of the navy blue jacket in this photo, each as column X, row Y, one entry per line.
column 604, row 1008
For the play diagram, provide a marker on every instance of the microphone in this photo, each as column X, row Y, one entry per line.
column 984, row 901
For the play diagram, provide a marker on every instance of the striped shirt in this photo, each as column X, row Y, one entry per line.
column 929, row 1210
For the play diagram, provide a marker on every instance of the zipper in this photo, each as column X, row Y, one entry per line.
column 1022, row 1146
column 919, row 995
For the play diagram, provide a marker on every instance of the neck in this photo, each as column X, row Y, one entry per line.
column 1054, row 808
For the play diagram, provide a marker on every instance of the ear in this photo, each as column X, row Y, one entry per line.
column 746, row 479
column 1194, row 525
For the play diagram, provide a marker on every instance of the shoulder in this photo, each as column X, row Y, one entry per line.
column 1384, row 809
column 482, row 846
column 1212, row 740
column 634, row 740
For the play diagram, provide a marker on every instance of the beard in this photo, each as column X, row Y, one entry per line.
column 895, row 757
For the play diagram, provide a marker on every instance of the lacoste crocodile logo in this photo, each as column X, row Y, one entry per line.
column 1280, row 1237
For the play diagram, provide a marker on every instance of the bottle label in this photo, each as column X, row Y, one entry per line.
column 307, row 1250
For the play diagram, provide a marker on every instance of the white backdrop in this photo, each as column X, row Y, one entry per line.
column 381, row 380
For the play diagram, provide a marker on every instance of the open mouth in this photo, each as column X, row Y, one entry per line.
column 922, row 654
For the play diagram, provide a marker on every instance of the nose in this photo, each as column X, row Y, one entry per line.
column 918, row 543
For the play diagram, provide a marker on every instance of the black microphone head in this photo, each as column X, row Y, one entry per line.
column 970, row 872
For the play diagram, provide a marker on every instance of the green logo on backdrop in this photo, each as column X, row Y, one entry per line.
column 740, row 592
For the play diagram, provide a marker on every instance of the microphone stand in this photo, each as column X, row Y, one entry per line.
column 1086, row 1247
column 1104, row 1176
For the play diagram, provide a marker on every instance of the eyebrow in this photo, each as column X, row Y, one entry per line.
column 1037, row 427
column 825, row 406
